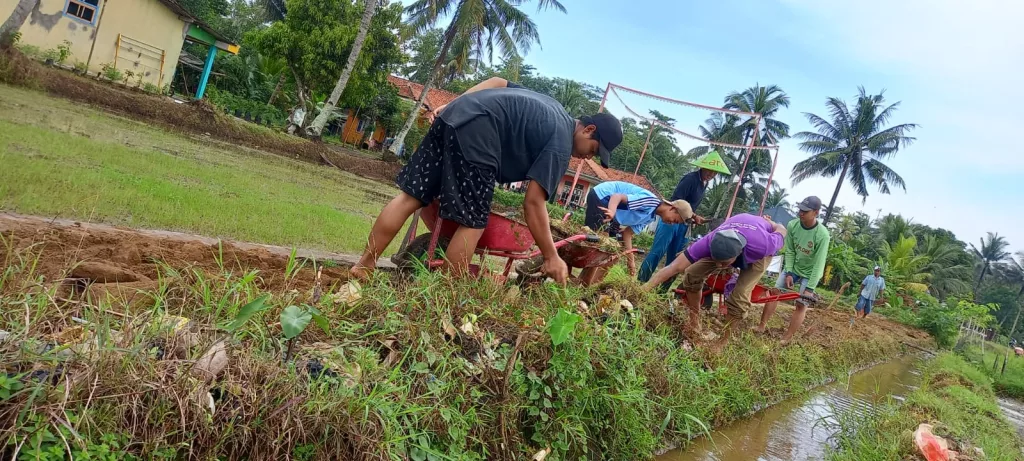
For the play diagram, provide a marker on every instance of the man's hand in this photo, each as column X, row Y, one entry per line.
column 609, row 214
column 698, row 219
column 789, row 281
column 768, row 218
column 556, row 269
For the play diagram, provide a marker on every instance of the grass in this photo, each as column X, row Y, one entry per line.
column 955, row 397
column 1008, row 382
column 63, row 159
column 402, row 382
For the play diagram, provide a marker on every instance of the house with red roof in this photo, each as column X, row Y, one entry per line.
column 354, row 128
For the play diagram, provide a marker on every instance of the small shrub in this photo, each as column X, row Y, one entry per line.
column 30, row 51
column 150, row 88
column 80, row 67
column 63, row 52
column 111, row 73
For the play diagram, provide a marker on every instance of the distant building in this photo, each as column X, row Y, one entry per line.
column 354, row 129
column 143, row 37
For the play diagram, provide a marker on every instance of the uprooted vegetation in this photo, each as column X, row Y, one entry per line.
column 424, row 367
column 196, row 118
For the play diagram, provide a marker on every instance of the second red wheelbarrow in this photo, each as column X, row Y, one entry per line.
column 715, row 284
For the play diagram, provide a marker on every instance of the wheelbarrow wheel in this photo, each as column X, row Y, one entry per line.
column 415, row 253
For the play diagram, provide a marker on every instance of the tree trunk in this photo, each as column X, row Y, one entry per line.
column 16, row 20
column 280, row 82
column 1013, row 328
column 396, row 145
column 981, row 276
column 318, row 124
column 835, row 195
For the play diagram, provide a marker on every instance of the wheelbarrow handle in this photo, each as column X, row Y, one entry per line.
column 561, row 243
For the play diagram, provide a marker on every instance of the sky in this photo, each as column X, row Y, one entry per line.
column 948, row 63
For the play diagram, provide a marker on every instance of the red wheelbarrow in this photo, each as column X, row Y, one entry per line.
column 715, row 283
column 503, row 237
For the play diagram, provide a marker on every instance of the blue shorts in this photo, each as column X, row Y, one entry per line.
column 798, row 281
column 864, row 304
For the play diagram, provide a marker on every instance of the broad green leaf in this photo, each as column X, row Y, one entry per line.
column 294, row 319
column 562, row 325
column 319, row 319
column 248, row 310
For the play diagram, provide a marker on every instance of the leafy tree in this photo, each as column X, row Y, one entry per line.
column 902, row 264
column 209, row 11
column 764, row 100
column 891, row 228
column 476, row 27
column 316, row 36
column 320, row 121
column 778, row 197
column 1013, row 273
column 948, row 264
column 992, row 250
column 853, row 145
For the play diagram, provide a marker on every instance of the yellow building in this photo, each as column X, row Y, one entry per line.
column 141, row 36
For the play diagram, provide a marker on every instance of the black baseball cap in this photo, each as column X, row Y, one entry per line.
column 811, row 203
column 608, row 134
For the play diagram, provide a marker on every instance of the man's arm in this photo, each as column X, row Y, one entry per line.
column 820, row 256
column 537, row 219
column 788, row 255
column 677, row 266
column 627, row 244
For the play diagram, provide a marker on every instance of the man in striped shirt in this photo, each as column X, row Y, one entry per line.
column 620, row 206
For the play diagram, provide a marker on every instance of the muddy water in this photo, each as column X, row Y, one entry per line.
column 1014, row 412
column 799, row 429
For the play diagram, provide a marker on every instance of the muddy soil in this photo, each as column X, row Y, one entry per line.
column 106, row 254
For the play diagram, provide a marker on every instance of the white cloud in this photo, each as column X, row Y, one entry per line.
column 955, row 63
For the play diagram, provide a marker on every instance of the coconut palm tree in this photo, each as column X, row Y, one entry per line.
column 778, row 197
column 1014, row 273
column 314, row 129
column 767, row 101
column 853, row 145
column 949, row 272
column 764, row 100
column 476, row 27
column 992, row 250
column 16, row 19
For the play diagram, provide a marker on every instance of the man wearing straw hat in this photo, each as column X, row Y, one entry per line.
column 670, row 238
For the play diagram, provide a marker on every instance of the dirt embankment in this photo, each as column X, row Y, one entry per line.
column 197, row 117
column 110, row 255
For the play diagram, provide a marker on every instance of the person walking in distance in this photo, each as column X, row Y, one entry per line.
column 804, row 255
column 670, row 238
column 870, row 288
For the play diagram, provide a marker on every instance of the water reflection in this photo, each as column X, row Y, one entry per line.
column 799, row 429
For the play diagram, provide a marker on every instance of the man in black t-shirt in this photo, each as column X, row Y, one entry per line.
column 490, row 134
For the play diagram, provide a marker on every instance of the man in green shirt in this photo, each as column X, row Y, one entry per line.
column 803, row 258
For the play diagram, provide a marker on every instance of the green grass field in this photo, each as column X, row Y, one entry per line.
column 61, row 159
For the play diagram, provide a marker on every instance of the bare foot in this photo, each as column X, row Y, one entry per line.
column 759, row 329
column 785, row 342
column 360, row 273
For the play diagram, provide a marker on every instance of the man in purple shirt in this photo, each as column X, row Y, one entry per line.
column 745, row 242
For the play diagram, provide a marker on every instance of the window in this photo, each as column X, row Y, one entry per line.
column 82, row 9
